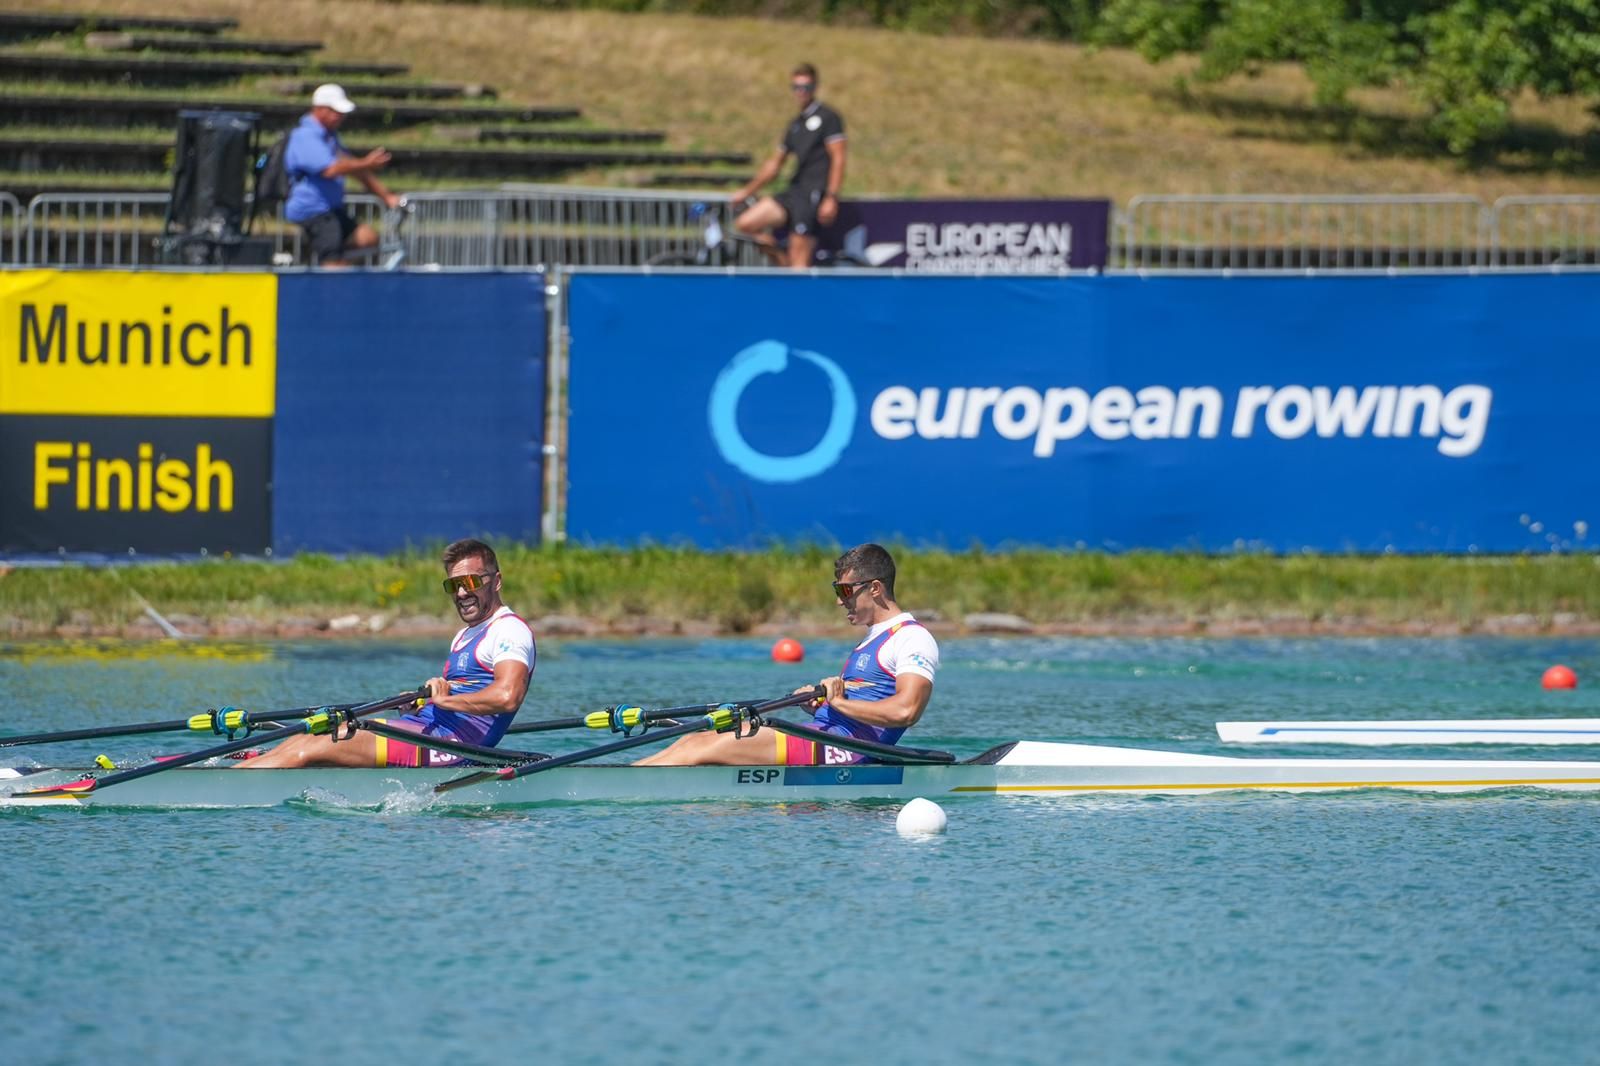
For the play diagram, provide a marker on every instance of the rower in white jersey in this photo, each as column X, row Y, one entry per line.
column 484, row 681
column 881, row 692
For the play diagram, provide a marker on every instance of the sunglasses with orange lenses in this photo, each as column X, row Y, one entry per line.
column 470, row 582
column 846, row 590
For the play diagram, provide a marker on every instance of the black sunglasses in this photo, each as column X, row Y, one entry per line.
column 846, row 590
column 802, row 86
column 470, row 582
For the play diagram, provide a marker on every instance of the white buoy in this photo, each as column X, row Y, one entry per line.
column 921, row 817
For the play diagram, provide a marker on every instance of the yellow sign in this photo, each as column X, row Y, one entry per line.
column 146, row 344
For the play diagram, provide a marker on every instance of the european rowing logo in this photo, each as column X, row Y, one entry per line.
column 772, row 357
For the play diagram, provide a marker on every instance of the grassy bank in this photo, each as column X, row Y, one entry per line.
column 929, row 116
column 661, row 590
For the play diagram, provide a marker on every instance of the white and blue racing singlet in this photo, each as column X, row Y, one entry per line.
column 898, row 645
column 470, row 668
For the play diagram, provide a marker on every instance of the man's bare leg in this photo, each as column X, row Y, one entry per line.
column 801, row 250
column 296, row 752
column 718, row 749
column 757, row 222
column 361, row 238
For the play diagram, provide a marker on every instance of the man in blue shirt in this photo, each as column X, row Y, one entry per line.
column 317, row 165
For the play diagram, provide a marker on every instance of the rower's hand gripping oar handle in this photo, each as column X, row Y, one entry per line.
column 814, row 694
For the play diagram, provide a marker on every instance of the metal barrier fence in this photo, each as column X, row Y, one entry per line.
column 93, row 229
column 10, row 228
column 1546, row 231
column 526, row 226
column 517, row 227
column 1304, row 233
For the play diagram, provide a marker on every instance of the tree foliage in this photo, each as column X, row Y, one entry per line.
column 1464, row 59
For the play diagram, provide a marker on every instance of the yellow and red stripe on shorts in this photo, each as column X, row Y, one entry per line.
column 399, row 752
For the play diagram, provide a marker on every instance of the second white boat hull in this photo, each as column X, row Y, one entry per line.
column 1515, row 731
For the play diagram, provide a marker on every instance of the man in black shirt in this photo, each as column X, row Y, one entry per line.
column 816, row 139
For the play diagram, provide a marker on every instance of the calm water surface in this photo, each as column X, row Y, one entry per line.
column 1252, row 928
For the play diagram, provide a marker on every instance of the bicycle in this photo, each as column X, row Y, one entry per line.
column 720, row 246
column 390, row 253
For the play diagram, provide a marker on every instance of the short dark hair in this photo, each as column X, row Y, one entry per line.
column 868, row 561
column 806, row 70
column 468, row 548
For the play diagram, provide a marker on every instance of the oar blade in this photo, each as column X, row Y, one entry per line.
column 67, row 791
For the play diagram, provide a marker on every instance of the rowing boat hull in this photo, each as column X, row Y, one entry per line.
column 1512, row 731
column 1026, row 768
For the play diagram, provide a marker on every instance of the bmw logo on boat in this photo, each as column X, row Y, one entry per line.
column 842, row 775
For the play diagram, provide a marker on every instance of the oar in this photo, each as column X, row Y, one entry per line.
column 506, row 756
column 320, row 722
column 629, row 717
column 888, row 753
column 721, row 719
column 227, row 720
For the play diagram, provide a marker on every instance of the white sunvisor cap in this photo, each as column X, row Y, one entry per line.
column 332, row 96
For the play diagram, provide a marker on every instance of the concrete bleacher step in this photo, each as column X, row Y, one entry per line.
column 29, row 25
column 694, row 179
column 118, row 41
column 94, row 111
column 29, row 154
column 570, row 136
column 26, row 186
column 523, row 163
column 160, row 70
column 385, row 90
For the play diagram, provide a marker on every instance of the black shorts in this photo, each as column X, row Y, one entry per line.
column 328, row 233
column 801, row 206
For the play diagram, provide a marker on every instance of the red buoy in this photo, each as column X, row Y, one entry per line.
column 1557, row 676
column 788, row 650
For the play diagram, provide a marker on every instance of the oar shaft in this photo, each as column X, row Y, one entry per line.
column 508, row 773
column 195, row 722
column 92, row 734
column 611, row 748
column 502, row 756
column 891, row 753
column 201, row 756
column 245, row 742
column 720, row 717
column 602, row 719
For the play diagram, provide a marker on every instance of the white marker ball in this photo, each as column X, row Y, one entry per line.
column 921, row 817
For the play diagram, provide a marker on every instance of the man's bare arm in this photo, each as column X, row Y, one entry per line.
column 769, row 169
column 503, row 695
column 900, row 711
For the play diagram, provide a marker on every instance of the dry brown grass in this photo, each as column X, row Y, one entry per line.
column 935, row 116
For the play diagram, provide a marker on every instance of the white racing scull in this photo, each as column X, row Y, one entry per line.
column 1021, row 768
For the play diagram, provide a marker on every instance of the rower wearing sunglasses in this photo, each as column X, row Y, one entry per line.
column 484, row 681
column 882, row 691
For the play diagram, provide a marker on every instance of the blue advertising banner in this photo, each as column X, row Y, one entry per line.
column 1361, row 413
column 410, row 409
